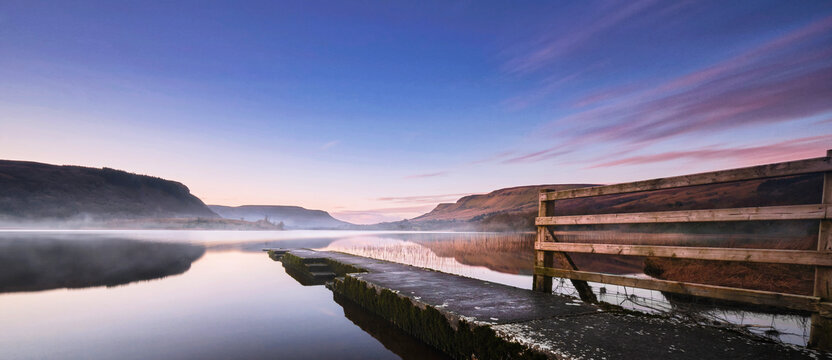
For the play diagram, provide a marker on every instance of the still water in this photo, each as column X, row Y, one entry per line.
column 215, row 294
column 229, row 300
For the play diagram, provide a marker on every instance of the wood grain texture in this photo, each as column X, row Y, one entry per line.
column 799, row 257
column 821, row 164
column 791, row 212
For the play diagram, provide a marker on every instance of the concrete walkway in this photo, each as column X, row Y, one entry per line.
column 555, row 326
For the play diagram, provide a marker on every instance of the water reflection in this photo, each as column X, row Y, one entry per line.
column 393, row 338
column 229, row 305
column 508, row 259
column 42, row 263
column 236, row 286
column 412, row 253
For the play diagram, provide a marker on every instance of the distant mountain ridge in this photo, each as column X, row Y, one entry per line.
column 31, row 191
column 514, row 208
column 518, row 199
column 293, row 217
column 507, row 209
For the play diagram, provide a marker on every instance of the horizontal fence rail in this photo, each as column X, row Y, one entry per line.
column 548, row 248
column 797, row 257
column 792, row 212
column 808, row 166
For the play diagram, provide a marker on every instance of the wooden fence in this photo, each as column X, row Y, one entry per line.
column 547, row 246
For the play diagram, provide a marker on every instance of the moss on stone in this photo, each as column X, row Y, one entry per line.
column 463, row 341
column 290, row 260
column 274, row 256
column 341, row 269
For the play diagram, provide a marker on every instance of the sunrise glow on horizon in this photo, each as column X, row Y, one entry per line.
column 379, row 111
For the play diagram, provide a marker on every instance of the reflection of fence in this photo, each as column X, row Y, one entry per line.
column 820, row 304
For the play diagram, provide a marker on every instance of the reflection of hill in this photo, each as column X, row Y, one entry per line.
column 514, row 253
column 506, row 253
column 794, row 279
column 33, row 264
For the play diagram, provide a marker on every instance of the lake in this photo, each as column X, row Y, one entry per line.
column 184, row 295
column 215, row 294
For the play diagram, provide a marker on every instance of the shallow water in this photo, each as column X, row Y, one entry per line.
column 215, row 294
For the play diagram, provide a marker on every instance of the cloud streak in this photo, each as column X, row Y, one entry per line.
column 330, row 145
column 427, row 175
column 784, row 79
column 424, row 199
column 544, row 52
column 806, row 147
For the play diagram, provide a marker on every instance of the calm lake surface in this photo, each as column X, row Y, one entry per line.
column 215, row 294
column 191, row 295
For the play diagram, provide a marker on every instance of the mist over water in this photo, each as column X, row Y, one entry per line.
column 102, row 294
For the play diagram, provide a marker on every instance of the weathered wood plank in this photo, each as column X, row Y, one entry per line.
column 821, row 164
column 584, row 290
column 542, row 283
column 823, row 275
column 800, row 257
column 792, row 212
column 790, row 301
column 820, row 336
column 545, row 259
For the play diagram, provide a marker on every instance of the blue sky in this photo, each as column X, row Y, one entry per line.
column 380, row 110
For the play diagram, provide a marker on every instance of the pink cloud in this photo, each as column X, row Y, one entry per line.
column 549, row 86
column 542, row 53
column 429, row 199
column 806, row 147
column 784, row 79
column 427, row 175
column 535, row 156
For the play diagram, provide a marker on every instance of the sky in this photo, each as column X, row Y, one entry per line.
column 379, row 110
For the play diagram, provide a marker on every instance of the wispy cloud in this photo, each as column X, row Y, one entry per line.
column 427, row 175
column 548, row 86
column 784, row 79
column 806, row 147
column 424, row 199
column 535, row 156
column 501, row 156
column 330, row 145
column 542, row 52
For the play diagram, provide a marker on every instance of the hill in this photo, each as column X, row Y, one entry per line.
column 293, row 217
column 37, row 192
column 514, row 209
column 508, row 209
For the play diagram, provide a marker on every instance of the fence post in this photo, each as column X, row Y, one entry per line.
column 820, row 336
column 542, row 283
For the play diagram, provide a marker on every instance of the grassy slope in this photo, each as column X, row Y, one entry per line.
column 43, row 192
